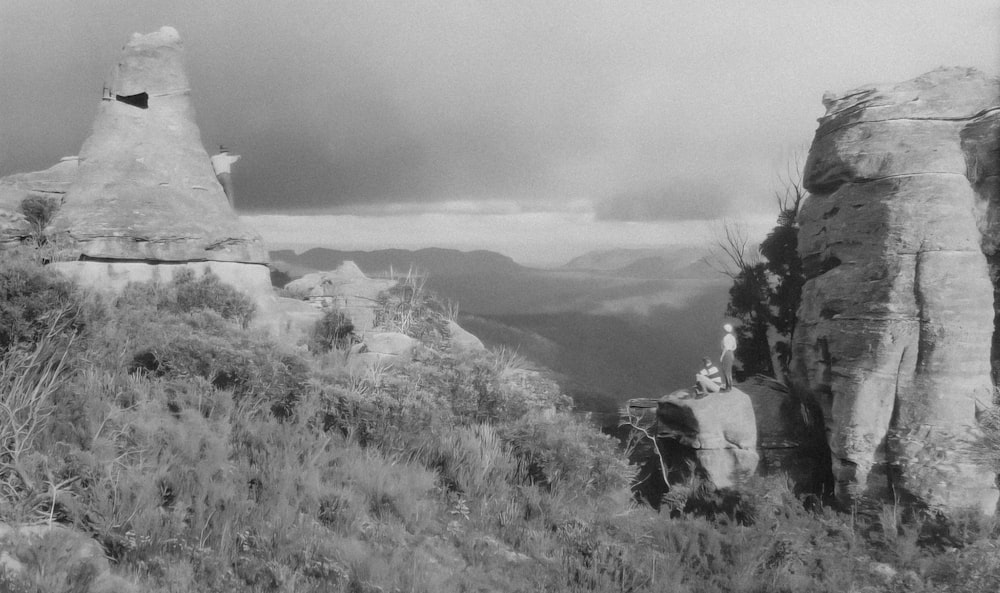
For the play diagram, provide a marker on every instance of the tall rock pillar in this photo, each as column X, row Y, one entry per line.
column 897, row 318
column 145, row 200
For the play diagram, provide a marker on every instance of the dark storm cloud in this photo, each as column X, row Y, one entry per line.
column 329, row 103
column 337, row 104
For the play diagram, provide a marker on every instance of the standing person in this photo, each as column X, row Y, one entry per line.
column 709, row 379
column 221, row 163
column 728, row 356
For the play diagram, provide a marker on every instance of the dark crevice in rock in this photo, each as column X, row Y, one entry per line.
column 829, row 312
column 224, row 243
column 994, row 265
column 816, row 265
column 157, row 262
column 831, row 185
column 140, row 100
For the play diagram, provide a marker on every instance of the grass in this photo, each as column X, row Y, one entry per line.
column 202, row 457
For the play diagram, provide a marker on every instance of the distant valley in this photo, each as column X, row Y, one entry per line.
column 611, row 325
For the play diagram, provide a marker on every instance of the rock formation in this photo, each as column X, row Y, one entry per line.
column 716, row 433
column 346, row 289
column 142, row 198
column 896, row 323
column 720, row 428
column 146, row 188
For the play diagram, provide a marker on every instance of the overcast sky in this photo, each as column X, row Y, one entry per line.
column 607, row 112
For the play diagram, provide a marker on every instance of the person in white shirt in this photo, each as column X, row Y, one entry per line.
column 221, row 163
column 728, row 357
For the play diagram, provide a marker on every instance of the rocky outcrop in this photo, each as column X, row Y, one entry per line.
column 346, row 289
column 719, row 429
column 462, row 340
column 141, row 200
column 759, row 428
column 896, row 322
column 146, row 189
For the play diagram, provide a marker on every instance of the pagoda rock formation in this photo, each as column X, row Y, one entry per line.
column 899, row 243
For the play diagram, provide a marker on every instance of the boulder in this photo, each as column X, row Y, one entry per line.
column 720, row 430
column 145, row 188
column 391, row 344
column 896, row 322
column 463, row 341
column 382, row 349
column 347, row 289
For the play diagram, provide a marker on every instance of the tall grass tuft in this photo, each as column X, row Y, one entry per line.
column 29, row 377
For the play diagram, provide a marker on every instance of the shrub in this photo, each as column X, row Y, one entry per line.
column 208, row 292
column 39, row 210
column 411, row 309
column 29, row 298
column 563, row 452
column 333, row 330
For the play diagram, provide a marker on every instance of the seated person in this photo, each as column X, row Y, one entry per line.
column 709, row 379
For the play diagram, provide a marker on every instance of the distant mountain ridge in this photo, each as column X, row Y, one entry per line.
column 611, row 324
column 650, row 263
column 432, row 260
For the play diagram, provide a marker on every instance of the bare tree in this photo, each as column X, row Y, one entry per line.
column 732, row 253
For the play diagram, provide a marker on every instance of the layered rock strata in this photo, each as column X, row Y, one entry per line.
column 141, row 200
column 15, row 190
column 897, row 317
column 718, row 432
column 146, row 189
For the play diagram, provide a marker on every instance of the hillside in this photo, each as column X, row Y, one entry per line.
column 667, row 262
column 610, row 333
column 197, row 455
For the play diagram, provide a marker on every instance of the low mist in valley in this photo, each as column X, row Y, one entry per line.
column 610, row 325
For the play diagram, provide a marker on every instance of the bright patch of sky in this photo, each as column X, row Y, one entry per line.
column 539, row 239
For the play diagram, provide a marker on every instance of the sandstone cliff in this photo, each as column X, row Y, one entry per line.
column 896, row 323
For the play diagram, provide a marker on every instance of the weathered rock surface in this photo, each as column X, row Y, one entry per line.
column 347, row 289
column 896, row 322
column 789, row 435
column 463, row 340
column 720, row 429
column 787, row 441
column 52, row 183
column 145, row 189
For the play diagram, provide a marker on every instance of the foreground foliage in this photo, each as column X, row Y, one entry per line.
column 204, row 457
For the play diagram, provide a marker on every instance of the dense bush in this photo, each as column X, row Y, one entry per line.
column 188, row 293
column 30, row 297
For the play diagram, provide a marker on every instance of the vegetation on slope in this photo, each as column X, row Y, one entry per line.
column 204, row 457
